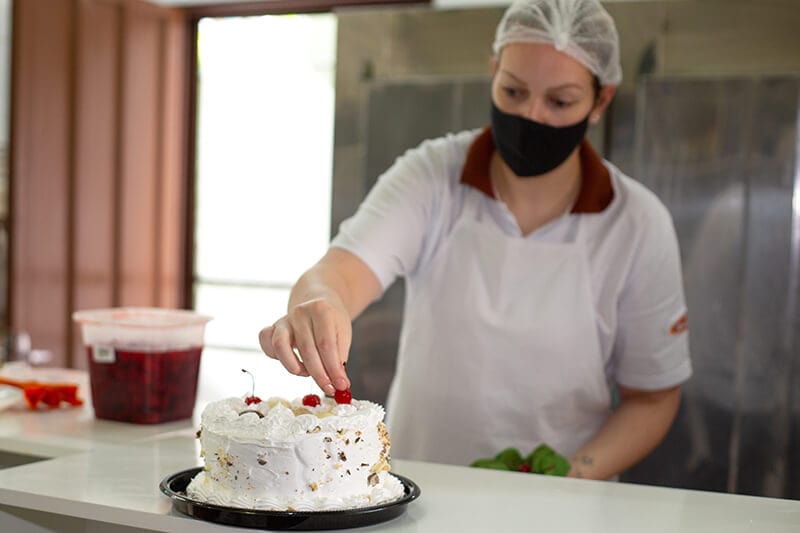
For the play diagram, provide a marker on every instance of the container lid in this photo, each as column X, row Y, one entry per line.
column 140, row 317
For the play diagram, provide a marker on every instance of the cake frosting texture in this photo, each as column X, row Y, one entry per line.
column 277, row 455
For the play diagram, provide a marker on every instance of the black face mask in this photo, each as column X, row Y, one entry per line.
column 531, row 148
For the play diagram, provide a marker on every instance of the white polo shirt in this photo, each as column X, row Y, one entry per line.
column 631, row 246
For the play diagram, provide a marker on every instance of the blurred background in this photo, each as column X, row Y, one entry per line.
column 201, row 154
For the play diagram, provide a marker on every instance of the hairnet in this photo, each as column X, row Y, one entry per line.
column 582, row 29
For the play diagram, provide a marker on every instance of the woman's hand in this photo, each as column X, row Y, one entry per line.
column 313, row 339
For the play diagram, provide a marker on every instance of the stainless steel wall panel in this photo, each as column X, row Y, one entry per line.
column 762, row 438
column 793, row 332
column 402, row 115
column 721, row 155
column 683, row 156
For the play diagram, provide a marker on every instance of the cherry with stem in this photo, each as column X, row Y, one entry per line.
column 252, row 398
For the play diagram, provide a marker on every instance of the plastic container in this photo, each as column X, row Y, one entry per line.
column 143, row 362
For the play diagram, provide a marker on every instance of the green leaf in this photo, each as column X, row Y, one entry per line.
column 542, row 460
column 510, row 457
column 538, row 458
column 545, row 460
column 493, row 464
column 561, row 467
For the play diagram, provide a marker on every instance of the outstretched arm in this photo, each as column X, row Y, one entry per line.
column 318, row 323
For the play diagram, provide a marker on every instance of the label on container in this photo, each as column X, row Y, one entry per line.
column 103, row 354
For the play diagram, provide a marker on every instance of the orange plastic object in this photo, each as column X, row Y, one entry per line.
column 51, row 394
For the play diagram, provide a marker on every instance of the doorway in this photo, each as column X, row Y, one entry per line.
column 264, row 148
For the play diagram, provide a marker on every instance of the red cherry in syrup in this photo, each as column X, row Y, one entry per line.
column 343, row 396
column 524, row 467
column 311, row 400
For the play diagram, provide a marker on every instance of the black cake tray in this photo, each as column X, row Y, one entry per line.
column 174, row 486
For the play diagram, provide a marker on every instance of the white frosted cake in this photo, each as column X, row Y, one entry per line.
column 281, row 456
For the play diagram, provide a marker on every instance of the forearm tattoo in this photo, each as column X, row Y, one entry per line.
column 578, row 462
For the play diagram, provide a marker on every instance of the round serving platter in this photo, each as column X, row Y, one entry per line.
column 174, row 486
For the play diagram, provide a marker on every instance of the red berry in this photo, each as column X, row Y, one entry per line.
column 343, row 396
column 311, row 400
column 524, row 467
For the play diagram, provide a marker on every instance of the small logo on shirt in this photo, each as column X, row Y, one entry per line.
column 680, row 326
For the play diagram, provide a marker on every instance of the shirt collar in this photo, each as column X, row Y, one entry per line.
column 596, row 191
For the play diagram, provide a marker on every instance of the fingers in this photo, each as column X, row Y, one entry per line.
column 315, row 325
column 307, row 346
column 344, row 337
column 321, row 333
column 276, row 341
column 331, row 352
column 265, row 340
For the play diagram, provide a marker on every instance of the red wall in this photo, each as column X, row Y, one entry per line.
column 98, row 151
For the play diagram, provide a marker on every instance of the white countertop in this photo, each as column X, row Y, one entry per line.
column 56, row 432
column 107, row 472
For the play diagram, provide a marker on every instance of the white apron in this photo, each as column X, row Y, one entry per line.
column 499, row 348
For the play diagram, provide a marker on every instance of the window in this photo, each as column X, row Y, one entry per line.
column 265, row 110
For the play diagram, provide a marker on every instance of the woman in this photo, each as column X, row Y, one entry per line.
column 539, row 278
